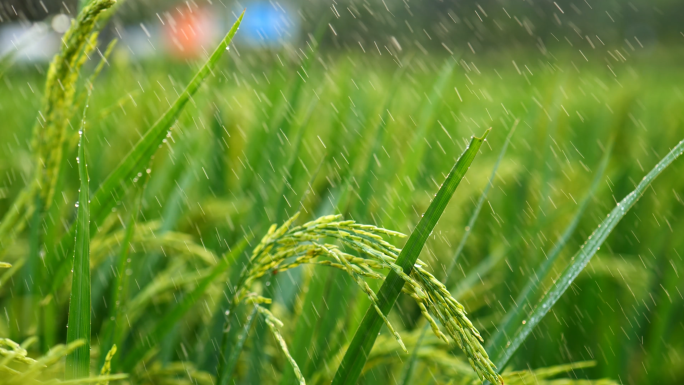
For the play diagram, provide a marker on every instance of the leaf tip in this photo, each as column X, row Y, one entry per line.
column 484, row 136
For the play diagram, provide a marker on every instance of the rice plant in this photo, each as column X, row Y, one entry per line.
column 305, row 214
column 19, row 368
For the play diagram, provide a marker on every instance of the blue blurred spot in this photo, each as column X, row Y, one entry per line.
column 267, row 24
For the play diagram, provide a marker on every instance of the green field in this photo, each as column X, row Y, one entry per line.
column 270, row 134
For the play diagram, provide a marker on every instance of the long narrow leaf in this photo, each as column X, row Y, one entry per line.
column 480, row 203
column 313, row 332
column 367, row 160
column 50, row 133
column 266, row 142
column 357, row 353
column 227, row 366
column 172, row 317
column 78, row 362
column 115, row 185
column 584, row 255
column 230, row 348
column 120, row 286
column 258, row 355
column 513, row 316
column 409, row 168
column 288, row 179
column 406, row 379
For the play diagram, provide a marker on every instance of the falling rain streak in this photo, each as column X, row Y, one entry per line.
column 261, row 192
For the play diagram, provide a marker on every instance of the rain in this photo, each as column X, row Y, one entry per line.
column 341, row 192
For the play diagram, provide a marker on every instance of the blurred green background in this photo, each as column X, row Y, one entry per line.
column 393, row 83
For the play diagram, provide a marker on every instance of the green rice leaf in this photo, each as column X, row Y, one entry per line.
column 172, row 317
column 289, row 178
column 526, row 295
column 406, row 379
column 115, row 185
column 230, row 354
column 112, row 332
column 368, row 165
column 78, row 361
column 364, row 338
column 409, row 168
column 583, row 256
column 49, row 133
column 282, row 115
column 480, row 203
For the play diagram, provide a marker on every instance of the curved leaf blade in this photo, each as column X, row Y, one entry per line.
column 526, row 295
column 111, row 330
column 171, row 318
column 364, row 338
column 584, row 255
column 408, row 371
column 115, row 185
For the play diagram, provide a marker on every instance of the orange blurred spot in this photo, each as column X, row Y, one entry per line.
column 186, row 33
